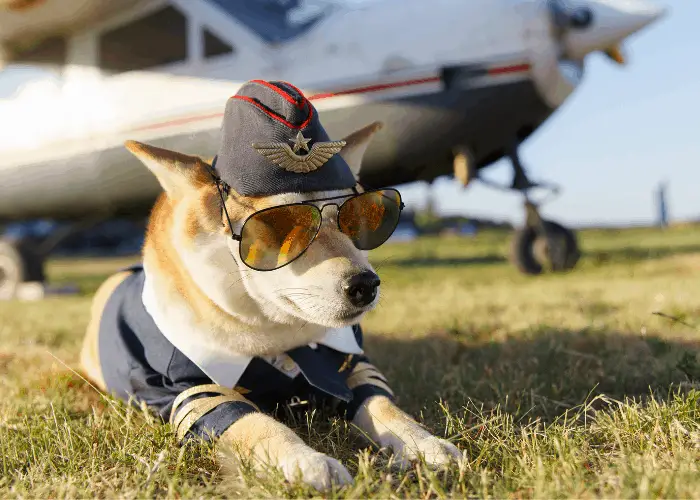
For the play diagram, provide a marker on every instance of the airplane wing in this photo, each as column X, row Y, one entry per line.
column 25, row 25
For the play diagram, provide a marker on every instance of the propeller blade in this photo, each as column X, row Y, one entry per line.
column 616, row 55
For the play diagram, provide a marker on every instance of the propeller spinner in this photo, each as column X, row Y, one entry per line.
column 583, row 27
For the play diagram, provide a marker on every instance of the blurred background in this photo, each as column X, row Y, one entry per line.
column 487, row 103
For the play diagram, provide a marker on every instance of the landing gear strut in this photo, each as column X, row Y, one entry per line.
column 21, row 268
column 22, row 261
column 540, row 244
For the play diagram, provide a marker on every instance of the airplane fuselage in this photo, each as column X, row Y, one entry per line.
column 441, row 75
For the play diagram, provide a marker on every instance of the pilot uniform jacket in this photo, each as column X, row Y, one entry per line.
column 139, row 364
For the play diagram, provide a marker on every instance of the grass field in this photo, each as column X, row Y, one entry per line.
column 555, row 386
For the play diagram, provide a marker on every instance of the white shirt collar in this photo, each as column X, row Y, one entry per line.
column 226, row 368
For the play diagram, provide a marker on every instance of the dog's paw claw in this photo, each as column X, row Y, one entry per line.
column 315, row 469
column 440, row 452
column 435, row 452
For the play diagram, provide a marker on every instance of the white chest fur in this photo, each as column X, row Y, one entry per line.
column 225, row 368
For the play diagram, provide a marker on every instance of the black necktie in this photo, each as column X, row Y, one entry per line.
column 320, row 372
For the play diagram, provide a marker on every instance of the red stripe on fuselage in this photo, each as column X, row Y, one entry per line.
column 178, row 121
column 375, row 88
column 500, row 70
column 504, row 70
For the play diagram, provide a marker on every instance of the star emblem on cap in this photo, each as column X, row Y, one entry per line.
column 300, row 142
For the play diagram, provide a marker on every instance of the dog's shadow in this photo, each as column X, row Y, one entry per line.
column 542, row 374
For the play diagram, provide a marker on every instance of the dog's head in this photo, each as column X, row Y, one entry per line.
column 332, row 284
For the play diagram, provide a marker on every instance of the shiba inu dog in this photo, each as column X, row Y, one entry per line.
column 254, row 279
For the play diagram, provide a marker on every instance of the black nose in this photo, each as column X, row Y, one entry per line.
column 362, row 288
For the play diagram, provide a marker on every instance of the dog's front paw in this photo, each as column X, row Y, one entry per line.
column 313, row 468
column 436, row 452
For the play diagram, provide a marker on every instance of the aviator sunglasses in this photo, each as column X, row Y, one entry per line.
column 276, row 236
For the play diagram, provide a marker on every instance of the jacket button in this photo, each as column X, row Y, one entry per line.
column 288, row 364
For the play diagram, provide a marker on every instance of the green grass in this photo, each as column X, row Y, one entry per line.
column 556, row 386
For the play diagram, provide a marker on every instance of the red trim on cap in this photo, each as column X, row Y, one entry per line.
column 306, row 101
column 272, row 115
column 284, row 94
column 295, row 88
column 299, row 92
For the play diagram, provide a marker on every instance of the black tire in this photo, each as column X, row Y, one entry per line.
column 19, row 262
column 559, row 258
column 567, row 259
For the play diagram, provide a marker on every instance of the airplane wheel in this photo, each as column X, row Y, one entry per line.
column 558, row 250
column 18, row 264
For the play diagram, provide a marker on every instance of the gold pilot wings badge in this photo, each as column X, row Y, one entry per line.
column 286, row 156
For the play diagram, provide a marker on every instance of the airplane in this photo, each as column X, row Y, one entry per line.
column 458, row 84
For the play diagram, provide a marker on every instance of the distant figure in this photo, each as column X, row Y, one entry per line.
column 430, row 201
column 661, row 201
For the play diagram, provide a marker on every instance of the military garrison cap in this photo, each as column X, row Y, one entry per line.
column 272, row 142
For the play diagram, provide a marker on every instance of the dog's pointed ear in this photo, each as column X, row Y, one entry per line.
column 355, row 146
column 176, row 172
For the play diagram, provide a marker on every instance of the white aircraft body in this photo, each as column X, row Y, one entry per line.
column 458, row 84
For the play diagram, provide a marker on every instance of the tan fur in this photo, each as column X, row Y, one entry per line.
column 386, row 425
column 162, row 257
column 21, row 5
column 89, row 355
column 202, row 289
column 269, row 443
column 192, row 170
column 261, row 436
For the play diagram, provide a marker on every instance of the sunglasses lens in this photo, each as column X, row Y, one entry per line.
column 370, row 218
column 274, row 237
